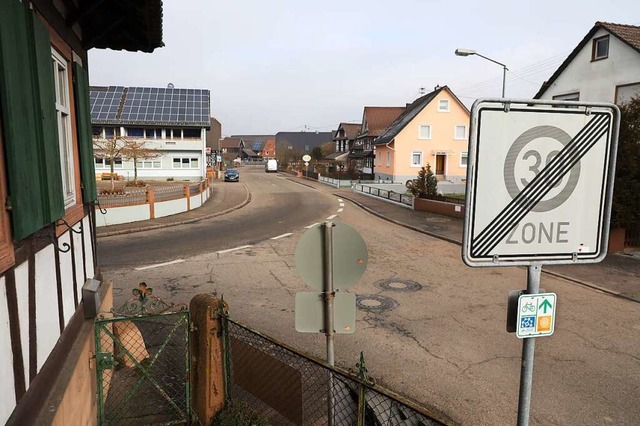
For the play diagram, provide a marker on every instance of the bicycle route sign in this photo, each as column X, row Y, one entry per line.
column 539, row 182
column 536, row 315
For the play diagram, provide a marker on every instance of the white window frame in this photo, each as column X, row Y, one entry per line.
column 440, row 108
column 101, row 163
column 455, row 132
column 149, row 164
column 420, row 127
column 596, row 42
column 463, row 155
column 191, row 166
column 60, row 70
column 421, row 156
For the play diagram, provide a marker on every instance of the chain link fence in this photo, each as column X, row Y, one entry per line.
column 143, row 369
column 289, row 388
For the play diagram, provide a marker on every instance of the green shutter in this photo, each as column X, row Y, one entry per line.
column 19, row 103
column 85, row 136
column 50, row 171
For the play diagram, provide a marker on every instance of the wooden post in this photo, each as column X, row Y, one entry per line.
column 186, row 193
column 207, row 358
column 151, row 199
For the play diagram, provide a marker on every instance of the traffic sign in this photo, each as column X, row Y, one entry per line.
column 309, row 310
column 539, row 182
column 536, row 315
column 349, row 257
column 306, row 158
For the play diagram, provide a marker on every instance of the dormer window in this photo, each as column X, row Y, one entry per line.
column 600, row 48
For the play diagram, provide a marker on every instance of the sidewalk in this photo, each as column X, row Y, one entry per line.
column 618, row 274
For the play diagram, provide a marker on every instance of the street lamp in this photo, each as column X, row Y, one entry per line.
column 469, row 52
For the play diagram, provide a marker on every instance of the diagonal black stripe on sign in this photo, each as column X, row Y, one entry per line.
column 539, row 187
column 532, row 194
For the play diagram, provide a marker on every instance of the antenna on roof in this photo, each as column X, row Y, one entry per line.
column 422, row 91
column 437, row 87
column 170, row 86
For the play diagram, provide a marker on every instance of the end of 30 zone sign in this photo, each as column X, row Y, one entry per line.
column 539, row 182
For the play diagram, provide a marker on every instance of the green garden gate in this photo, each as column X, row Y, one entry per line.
column 142, row 363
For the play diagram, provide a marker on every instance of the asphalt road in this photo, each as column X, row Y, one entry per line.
column 277, row 206
column 439, row 336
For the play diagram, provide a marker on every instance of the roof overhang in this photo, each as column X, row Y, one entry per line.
column 133, row 25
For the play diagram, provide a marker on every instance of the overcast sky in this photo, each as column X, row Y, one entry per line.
column 281, row 65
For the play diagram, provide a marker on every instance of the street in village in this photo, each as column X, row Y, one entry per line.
column 431, row 328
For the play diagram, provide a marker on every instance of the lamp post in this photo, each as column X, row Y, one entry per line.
column 469, row 52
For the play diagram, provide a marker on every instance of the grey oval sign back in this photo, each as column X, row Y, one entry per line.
column 350, row 257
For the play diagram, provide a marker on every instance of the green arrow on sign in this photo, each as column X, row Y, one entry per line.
column 544, row 305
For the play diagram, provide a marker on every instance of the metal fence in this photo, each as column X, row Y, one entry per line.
column 130, row 196
column 338, row 183
column 289, row 388
column 385, row 193
column 143, row 369
column 167, row 193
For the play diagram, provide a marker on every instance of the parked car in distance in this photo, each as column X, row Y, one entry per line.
column 271, row 166
column 231, row 175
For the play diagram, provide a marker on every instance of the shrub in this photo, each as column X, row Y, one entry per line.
column 626, row 194
column 425, row 185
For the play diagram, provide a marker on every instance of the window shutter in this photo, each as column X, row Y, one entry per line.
column 85, row 136
column 20, row 112
column 50, row 173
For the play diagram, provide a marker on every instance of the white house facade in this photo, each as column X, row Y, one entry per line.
column 604, row 67
column 170, row 123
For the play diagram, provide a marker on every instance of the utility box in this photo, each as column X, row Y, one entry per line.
column 91, row 297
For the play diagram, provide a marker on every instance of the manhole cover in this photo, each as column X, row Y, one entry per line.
column 396, row 284
column 375, row 303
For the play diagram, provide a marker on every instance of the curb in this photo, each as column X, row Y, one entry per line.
column 451, row 240
column 246, row 201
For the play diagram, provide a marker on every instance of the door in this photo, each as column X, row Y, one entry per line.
column 440, row 162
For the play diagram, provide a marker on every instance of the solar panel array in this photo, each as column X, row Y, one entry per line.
column 147, row 105
column 105, row 102
column 257, row 146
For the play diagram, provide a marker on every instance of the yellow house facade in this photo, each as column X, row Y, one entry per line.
column 434, row 129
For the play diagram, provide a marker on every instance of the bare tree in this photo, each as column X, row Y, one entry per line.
column 137, row 150
column 111, row 149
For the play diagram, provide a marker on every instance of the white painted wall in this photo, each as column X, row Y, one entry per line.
column 66, row 275
column 22, row 294
column 596, row 81
column 47, row 325
column 167, row 208
column 86, row 225
column 7, row 396
column 196, row 201
column 125, row 214
column 78, row 268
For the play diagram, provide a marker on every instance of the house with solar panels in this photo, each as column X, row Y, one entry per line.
column 170, row 120
column 48, row 190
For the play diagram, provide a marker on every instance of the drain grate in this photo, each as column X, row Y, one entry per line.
column 375, row 303
column 396, row 284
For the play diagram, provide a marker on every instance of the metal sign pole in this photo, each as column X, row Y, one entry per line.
column 327, row 263
column 528, row 348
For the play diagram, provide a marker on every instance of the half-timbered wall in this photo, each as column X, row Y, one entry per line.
column 38, row 297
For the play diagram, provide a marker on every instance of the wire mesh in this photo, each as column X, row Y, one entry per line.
column 129, row 197
column 143, row 370
column 194, row 189
column 289, row 388
column 166, row 193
